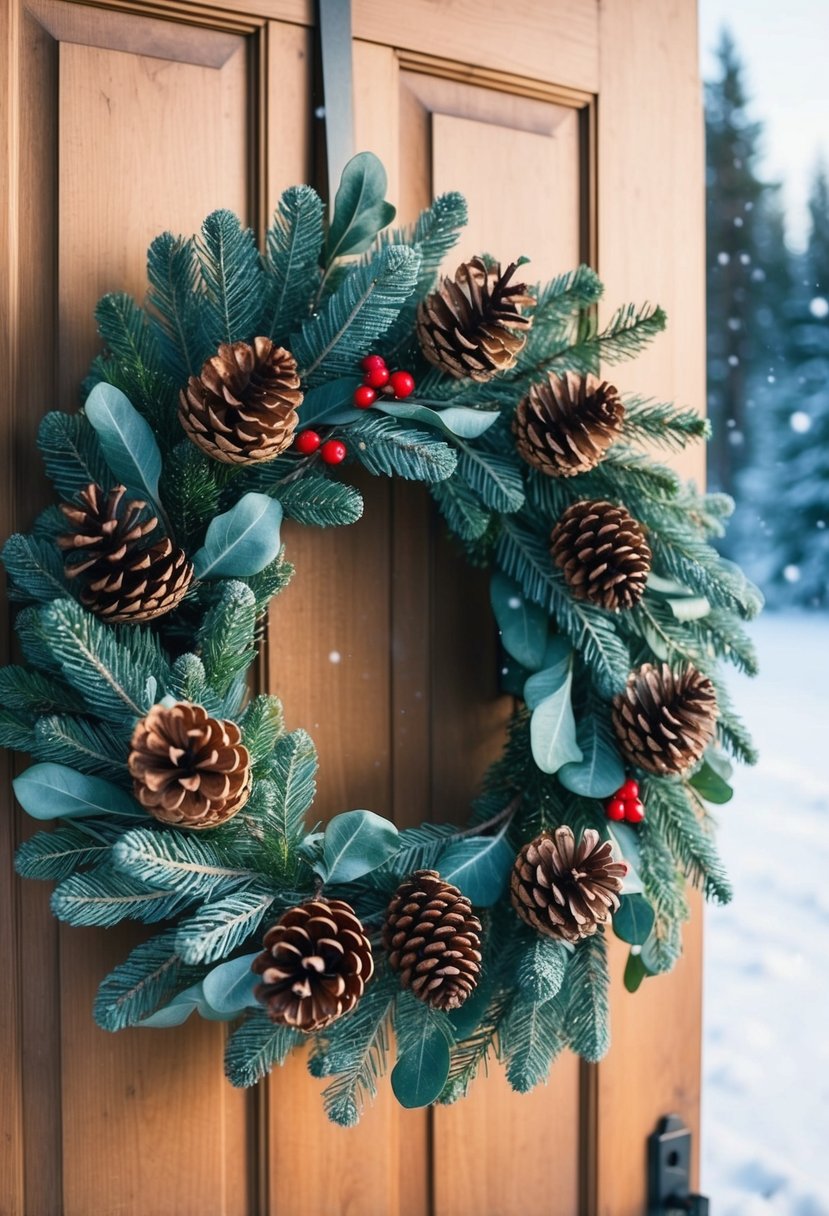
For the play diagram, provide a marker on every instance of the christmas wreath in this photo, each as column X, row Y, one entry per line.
column 231, row 400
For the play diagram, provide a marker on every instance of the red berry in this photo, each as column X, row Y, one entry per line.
column 377, row 376
column 402, row 384
column 364, row 397
column 634, row 811
column 333, row 451
column 629, row 791
column 615, row 809
column 372, row 361
column 307, row 442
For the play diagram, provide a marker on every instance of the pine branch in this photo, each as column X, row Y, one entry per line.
column 36, row 692
column 293, row 243
column 359, row 312
column 174, row 861
column 90, row 747
column 587, row 1013
column 496, row 479
column 190, row 491
column 650, row 421
column 531, row 1036
column 672, row 813
column 355, row 1051
column 232, row 275
column 317, row 501
column 461, row 509
column 388, row 448
column 104, row 897
column 71, row 453
column 262, row 724
column 219, row 928
column 35, row 568
column 108, row 667
column 254, row 1049
column 226, row 637
column 177, row 301
column 293, row 773
column 67, row 848
column 149, row 978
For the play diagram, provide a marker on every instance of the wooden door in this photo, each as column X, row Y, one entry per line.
column 574, row 128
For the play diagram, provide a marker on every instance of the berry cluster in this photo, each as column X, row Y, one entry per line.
column 378, row 379
column 333, row 451
column 626, row 804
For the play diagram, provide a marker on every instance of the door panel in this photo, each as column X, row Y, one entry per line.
column 574, row 129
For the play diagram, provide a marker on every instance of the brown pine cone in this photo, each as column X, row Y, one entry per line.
column 188, row 769
column 242, row 408
column 146, row 585
column 665, row 719
column 566, row 423
column 603, row 553
column 472, row 325
column 563, row 890
column 315, row 965
column 105, row 527
column 433, row 940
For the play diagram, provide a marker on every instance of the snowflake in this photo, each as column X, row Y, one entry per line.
column 819, row 307
column 745, row 259
column 791, row 574
column 800, row 422
column 513, row 602
column 334, row 656
column 733, row 361
column 723, row 259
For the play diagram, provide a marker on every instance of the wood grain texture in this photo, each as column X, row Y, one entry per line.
column 651, row 234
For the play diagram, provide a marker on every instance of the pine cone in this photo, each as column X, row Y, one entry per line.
column 566, row 423
column 564, row 890
column 471, row 326
column 433, row 939
column 242, row 408
column 603, row 553
column 189, row 770
column 665, row 719
column 105, row 528
column 124, row 580
column 315, row 965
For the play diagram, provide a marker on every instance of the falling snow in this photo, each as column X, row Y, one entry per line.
column 800, row 422
column 819, row 307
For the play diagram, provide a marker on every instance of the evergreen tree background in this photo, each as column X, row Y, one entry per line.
column 768, row 354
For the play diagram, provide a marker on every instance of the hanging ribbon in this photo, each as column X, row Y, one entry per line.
column 338, row 87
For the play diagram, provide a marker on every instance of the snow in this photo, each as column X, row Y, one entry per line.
column 766, row 1046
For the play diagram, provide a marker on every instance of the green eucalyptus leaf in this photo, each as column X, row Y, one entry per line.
column 242, row 541
column 633, row 920
column 422, row 1066
column 635, row 971
column 600, row 773
column 127, row 442
column 553, row 726
column 692, row 608
column 479, row 866
column 176, row 1011
column 458, row 420
column 626, row 841
column 355, row 843
column 522, row 623
column 54, row 791
column 228, row 988
column 332, row 403
column 710, row 785
column 360, row 207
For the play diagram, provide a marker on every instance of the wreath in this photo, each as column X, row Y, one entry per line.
column 234, row 398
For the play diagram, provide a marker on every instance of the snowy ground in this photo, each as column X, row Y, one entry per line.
column 766, row 1063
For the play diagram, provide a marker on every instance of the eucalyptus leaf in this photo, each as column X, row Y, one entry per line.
column 54, row 791
column 600, row 772
column 355, row 843
column 479, row 866
column 360, row 207
column 126, row 440
column 626, row 841
column 633, row 920
column 667, row 587
column 228, row 988
column 553, row 725
column 555, row 675
column 422, row 1066
column 522, row 623
column 710, row 785
column 176, row 1011
column 242, row 541
column 635, row 971
column 457, row 420
column 690, row 608
column 331, row 403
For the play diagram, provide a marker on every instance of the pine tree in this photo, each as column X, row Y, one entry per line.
column 744, row 241
column 796, row 478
